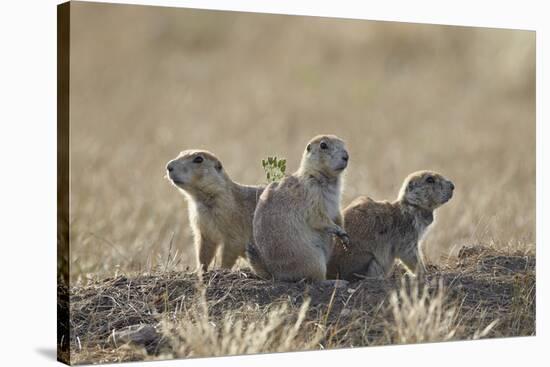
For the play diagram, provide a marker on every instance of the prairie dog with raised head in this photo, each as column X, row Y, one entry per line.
column 220, row 210
column 381, row 232
column 295, row 219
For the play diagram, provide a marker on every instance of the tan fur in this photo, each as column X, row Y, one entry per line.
column 296, row 219
column 381, row 232
column 220, row 210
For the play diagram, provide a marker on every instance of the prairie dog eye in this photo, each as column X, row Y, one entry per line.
column 323, row 145
column 198, row 159
column 430, row 180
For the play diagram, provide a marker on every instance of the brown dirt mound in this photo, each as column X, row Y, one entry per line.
column 486, row 284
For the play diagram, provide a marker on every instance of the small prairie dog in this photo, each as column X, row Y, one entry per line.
column 295, row 219
column 220, row 210
column 381, row 232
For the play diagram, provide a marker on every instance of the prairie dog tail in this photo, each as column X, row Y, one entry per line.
column 256, row 261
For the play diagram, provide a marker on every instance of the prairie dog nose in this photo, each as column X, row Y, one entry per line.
column 452, row 185
column 170, row 167
column 345, row 157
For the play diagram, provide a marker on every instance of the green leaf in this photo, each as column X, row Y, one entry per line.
column 274, row 168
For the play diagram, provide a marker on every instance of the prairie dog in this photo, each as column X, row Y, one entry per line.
column 295, row 219
column 381, row 232
column 220, row 210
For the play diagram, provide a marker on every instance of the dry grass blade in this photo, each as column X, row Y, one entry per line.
column 194, row 333
column 419, row 316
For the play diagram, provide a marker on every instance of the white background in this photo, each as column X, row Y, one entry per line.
column 28, row 181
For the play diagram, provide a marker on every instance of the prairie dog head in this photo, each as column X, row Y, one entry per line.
column 325, row 154
column 426, row 189
column 197, row 171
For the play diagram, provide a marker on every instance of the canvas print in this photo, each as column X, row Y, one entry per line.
column 234, row 183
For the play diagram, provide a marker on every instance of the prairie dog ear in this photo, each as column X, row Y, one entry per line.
column 218, row 165
column 410, row 185
column 308, row 148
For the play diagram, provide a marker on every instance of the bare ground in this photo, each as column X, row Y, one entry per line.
column 119, row 319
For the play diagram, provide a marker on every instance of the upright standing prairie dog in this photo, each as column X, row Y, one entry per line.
column 220, row 210
column 381, row 232
column 295, row 219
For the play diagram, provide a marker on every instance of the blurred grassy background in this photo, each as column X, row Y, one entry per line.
column 148, row 82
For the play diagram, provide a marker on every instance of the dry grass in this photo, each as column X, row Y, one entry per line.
column 193, row 334
column 148, row 82
column 484, row 293
column 419, row 317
